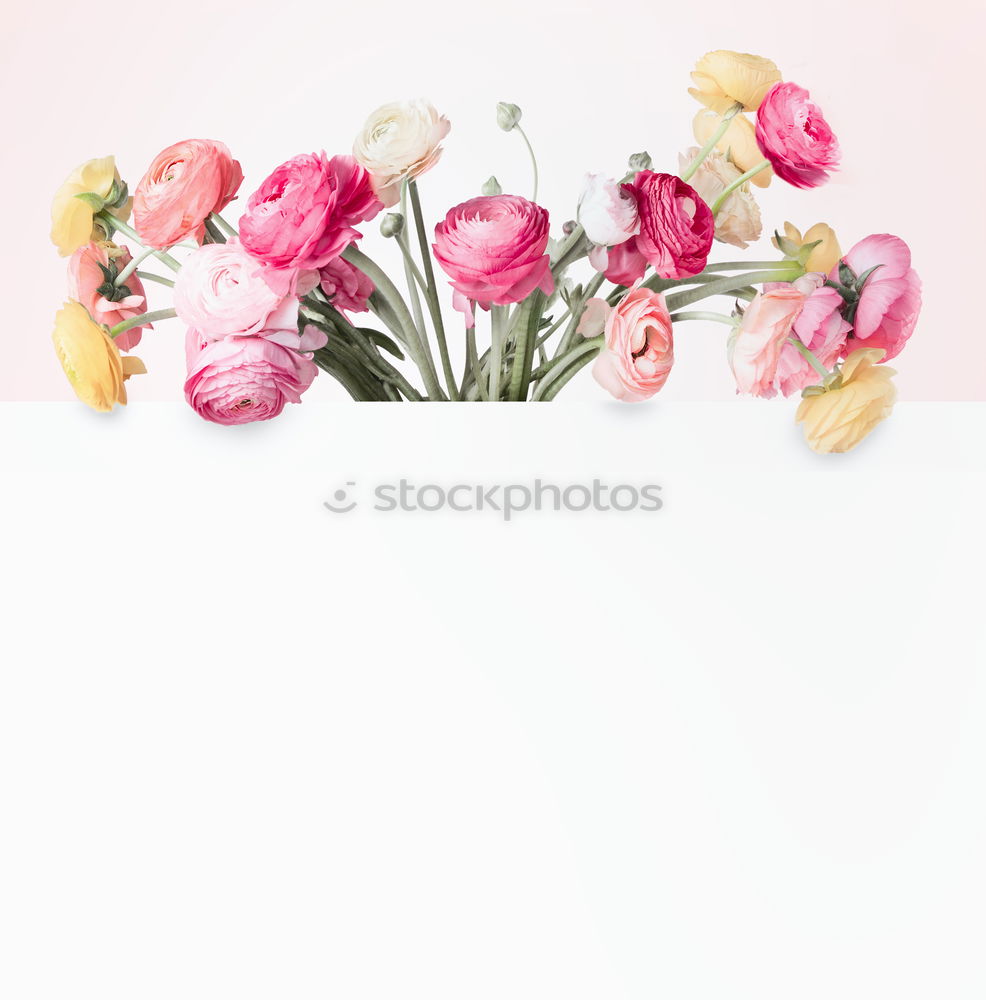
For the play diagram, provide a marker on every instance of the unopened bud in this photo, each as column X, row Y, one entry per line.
column 507, row 116
column 641, row 161
column 392, row 224
column 492, row 186
column 569, row 227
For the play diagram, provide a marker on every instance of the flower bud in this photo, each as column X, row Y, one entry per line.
column 392, row 224
column 640, row 161
column 507, row 116
column 569, row 227
column 492, row 186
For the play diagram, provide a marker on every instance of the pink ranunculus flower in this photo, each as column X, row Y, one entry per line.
column 890, row 301
column 793, row 134
column 608, row 214
column 639, row 351
column 303, row 214
column 821, row 327
column 182, row 186
column 222, row 291
column 242, row 379
column 676, row 226
column 346, row 287
column 106, row 303
column 755, row 346
column 625, row 264
column 493, row 249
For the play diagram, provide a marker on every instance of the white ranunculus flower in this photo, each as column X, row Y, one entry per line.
column 607, row 213
column 738, row 221
column 400, row 140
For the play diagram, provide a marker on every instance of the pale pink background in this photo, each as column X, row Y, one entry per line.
column 900, row 82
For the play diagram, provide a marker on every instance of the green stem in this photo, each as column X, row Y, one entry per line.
column 431, row 293
column 567, row 367
column 142, row 320
column 534, row 161
column 727, row 117
column 805, row 353
column 112, row 222
column 714, row 317
column 590, row 290
column 121, row 278
column 396, row 304
column 477, row 371
column 739, row 182
column 499, row 317
column 743, row 265
column 722, row 286
column 148, row 276
column 223, row 224
column 525, row 323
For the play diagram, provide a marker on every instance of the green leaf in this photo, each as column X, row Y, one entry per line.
column 94, row 201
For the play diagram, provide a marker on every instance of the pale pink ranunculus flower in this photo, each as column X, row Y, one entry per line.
column 238, row 380
column 182, row 186
column 738, row 222
column 890, row 302
column 755, row 346
column 302, row 216
column 346, row 287
column 493, row 248
column 638, row 354
column 821, row 327
column 106, row 304
column 793, row 134
column 401, row 139
column 222, row 291
column 608, row 214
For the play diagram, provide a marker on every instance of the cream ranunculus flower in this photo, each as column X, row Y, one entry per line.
column 72, row 217
column 825, row 256
column 91, row 359
column 735, row 76
column 738, row 221
column 838, row 416
column 400, row 140
column 739, row 142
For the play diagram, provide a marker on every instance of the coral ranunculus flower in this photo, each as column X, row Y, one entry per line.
column 736, row 77
column 90, row 359
column 182, row 186
column 793, row 134
column 836, row 418
column 71, row 216
column 89, row 283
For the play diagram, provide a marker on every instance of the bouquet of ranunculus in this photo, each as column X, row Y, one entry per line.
column 270, row 303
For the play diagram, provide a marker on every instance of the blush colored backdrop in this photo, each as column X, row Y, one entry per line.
column 898, row 81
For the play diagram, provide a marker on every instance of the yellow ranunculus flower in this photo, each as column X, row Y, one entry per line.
column 826, row 255
column 91, row 360
column 739, row 142
column 72, row 217
column 735, row 76
column 862, row 394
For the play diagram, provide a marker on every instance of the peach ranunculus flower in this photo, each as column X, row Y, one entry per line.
column 92, row 274
column 755, row 346
column 838, row 415
column 72, row 217
column 823, row 258
column 738, row 221
column 399, row 140
column 638, row 354
column 734, row 76
column 738, row 143
column 91, row 360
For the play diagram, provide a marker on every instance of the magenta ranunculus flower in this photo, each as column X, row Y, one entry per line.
column 676, row 226
column 821, row 327
column 493, row 249
column 793, row 134
column 222, row 291
column 242, row 379
column 347, row 287
column 106, row 303
column 303, row 214
column 890, row 299
column 182, row 186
